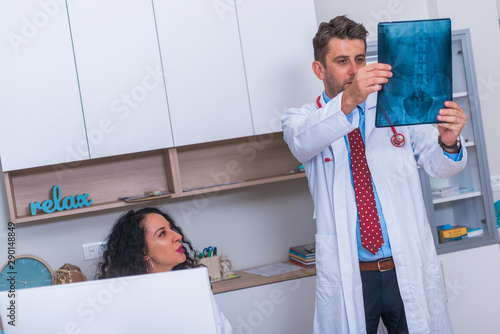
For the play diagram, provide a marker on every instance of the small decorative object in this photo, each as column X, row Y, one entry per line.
column 68, row 273
column 25, row 271
column 225, row 265
column 60, row 204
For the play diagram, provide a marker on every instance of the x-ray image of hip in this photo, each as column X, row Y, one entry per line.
column 420, row 55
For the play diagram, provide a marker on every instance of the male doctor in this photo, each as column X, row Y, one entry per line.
column 375, row 253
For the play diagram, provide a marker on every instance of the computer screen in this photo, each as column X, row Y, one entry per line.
column 172, row 302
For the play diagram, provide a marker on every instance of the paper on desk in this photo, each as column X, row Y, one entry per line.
column 273, row 269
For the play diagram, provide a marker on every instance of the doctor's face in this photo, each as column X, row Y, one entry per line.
column 342, row 62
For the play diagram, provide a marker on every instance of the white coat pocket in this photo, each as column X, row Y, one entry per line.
column 327, row 261
column 330, row 314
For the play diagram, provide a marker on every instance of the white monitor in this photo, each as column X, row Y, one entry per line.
column 173, row 302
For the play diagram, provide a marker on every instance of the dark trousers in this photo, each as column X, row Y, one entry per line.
column 383, row 300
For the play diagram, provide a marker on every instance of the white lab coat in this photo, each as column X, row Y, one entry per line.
column 223, row 325
column 315, row 134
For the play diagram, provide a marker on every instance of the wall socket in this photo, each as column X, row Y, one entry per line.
column 92, row 251
column 495, row 183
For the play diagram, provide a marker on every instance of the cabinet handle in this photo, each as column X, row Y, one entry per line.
column 444, row 281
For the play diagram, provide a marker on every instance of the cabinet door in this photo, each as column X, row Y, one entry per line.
column 464, row 200
column 204, row 73
column 276, row 37
column 120, row 75
column 41, row 115
column 283, row 307
column 471, row 286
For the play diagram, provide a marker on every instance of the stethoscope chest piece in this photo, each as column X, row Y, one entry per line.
column 398, row 139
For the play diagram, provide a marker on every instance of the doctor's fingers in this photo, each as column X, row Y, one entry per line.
column 453, row 116
column 373, row 71
column 449, row 127
column 450, row 130
column 370, row 82
column 376, row 67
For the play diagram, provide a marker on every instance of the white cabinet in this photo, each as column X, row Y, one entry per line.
column 471, row 280
column 204, row 73
column 120, row 76
column 470, row 205
column 276, row 38
column 105, row 78
column 284, row 307
column 41, row 114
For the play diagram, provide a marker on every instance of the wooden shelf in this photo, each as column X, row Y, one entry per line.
column 105, row 180
column 234, row 162
column 183, row 171
column 248, row 280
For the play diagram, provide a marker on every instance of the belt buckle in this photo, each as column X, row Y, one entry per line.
column 383, row 260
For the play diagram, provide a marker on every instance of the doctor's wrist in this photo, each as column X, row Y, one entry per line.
column 452, row 149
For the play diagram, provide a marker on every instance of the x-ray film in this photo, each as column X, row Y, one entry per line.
column 420, row 55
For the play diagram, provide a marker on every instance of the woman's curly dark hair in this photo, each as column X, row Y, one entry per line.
column 124, row 248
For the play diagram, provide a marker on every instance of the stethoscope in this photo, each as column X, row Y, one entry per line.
column 397, row 138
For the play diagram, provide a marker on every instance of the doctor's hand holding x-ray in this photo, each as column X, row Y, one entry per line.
column 455, row 119
column 370, row 78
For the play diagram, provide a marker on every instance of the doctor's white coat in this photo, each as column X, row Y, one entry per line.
column 316, row 134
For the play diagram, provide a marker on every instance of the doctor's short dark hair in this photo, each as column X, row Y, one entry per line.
column 339, row 27
column 125, row 246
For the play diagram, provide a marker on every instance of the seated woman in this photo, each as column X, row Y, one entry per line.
column 148, row 241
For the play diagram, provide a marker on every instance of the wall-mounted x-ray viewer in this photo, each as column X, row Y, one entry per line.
column 420, row 55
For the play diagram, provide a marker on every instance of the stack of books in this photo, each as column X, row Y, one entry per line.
column 303, row 255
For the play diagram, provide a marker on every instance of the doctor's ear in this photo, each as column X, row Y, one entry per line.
column 318, row 69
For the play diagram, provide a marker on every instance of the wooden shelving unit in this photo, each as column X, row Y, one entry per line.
column 248, row 280
column 183, row 171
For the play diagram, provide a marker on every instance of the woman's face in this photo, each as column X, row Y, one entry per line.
column 164, row 247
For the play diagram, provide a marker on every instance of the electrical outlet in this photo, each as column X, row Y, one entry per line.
column 92, row 251
column 495, row 182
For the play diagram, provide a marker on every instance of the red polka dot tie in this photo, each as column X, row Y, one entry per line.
column 371, row 233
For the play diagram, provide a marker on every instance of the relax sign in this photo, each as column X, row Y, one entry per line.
column 56, row 203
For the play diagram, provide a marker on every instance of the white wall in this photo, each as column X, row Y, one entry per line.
column 482, row 19
column 373, row 12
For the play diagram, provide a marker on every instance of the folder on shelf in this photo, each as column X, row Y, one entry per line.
column 449, row 233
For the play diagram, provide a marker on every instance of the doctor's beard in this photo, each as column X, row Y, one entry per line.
column 333, row 87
